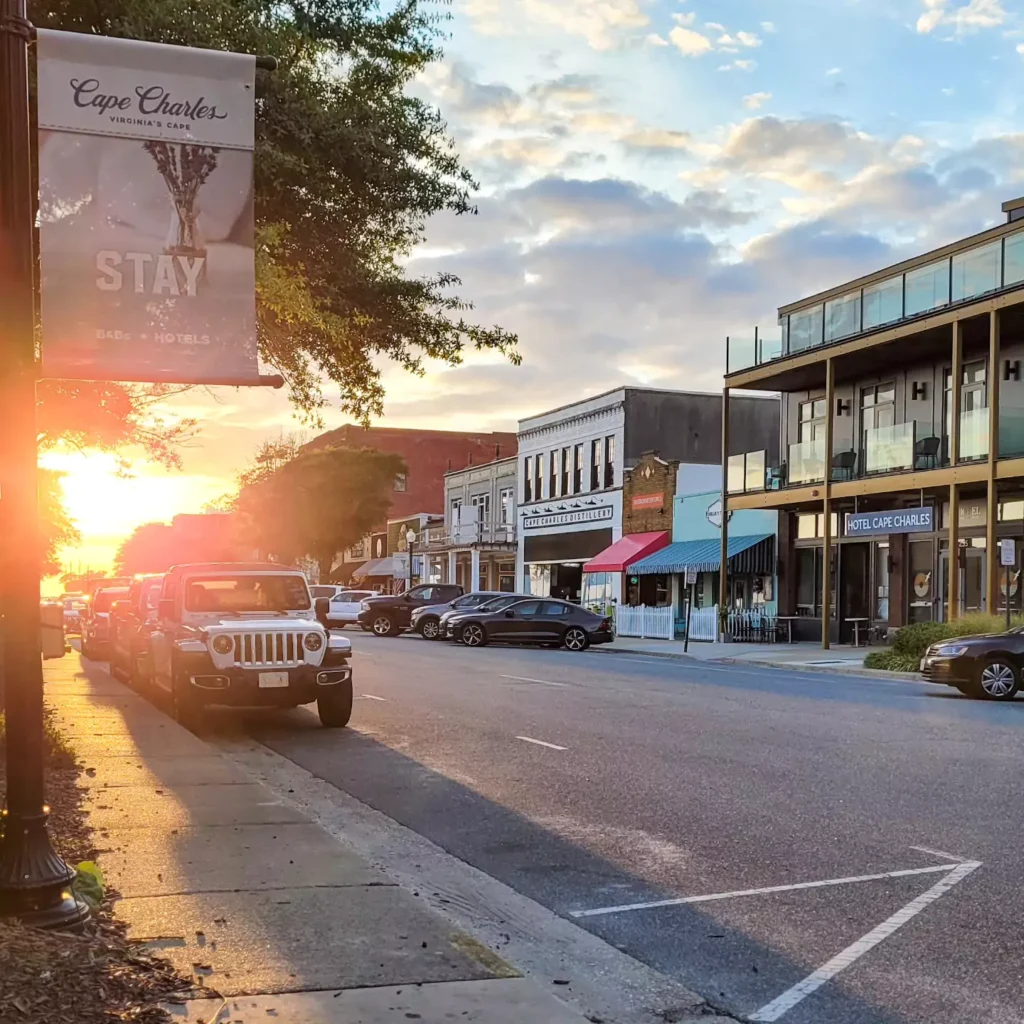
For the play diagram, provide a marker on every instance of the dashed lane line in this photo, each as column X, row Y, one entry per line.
column 541, row 743
column 370, row 696
column 527, row 679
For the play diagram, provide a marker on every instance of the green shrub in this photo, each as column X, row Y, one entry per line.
column 892, row 662
column 911, row 641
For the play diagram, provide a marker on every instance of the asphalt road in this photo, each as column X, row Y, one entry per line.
column 602, row 780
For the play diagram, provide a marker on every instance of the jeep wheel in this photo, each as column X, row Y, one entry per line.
column 430, row 629
column 186, row 707
column 334, row 705
column 384, row 625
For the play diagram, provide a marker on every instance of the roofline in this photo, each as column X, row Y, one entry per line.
column 482, row 465
column 988, row 235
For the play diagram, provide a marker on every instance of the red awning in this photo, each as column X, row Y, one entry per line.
column 624, row 552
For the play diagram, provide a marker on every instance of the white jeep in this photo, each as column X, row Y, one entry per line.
column 247, row 635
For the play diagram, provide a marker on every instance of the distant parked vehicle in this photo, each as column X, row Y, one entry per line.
column 427, row 620
column 74, row 607
column 345, row 605
column 328, row 590
column 535, row 621
column 451, row 619
column 131, row 621
column 389, row 615
column 96, row 623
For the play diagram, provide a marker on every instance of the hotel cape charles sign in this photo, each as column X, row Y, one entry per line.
column 901, row 520
column 146, row 211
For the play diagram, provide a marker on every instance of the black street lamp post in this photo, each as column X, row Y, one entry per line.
column 35, row 884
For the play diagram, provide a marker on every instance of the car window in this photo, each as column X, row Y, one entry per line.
column 422, row 593
column 247, row 594
column 150, row 595
column 555, row 608
column 321, row 591
column 447, row 593
column 526, row 608
column 105, row 598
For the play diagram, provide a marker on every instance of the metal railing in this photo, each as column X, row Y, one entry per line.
column 466, row 535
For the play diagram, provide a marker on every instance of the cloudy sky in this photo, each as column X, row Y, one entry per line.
column 656, row 175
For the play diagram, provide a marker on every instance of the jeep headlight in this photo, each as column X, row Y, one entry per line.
column 313, row 642
column 223, row 644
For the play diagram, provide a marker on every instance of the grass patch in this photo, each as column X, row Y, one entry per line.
column 57, row 750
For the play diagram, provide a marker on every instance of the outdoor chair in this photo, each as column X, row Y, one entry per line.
column 844, row 465
column 926, row 453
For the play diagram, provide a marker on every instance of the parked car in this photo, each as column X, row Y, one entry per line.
column 535, row 621
column 74, row 607
column 450, row 619
column 427, row 620
column 328, row 590
column 345, row 605
column 96, row 622
column 986, row 667
column 391, row 614
column 131, row 621
column 247, row 635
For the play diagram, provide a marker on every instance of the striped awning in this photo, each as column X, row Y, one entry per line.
column 389, row 566
column 752, row 554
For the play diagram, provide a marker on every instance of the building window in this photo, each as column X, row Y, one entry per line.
column 565, row 472
column 528, row 478
column 483, row 503
column 879, row 450
column 401, row 482
column 595, row 465
column 553, row 474
column 538, row 477
column 973, row 410
column 812, row 420
column 577, row 470
column 812, row 525
column 506, row 506
column 609, row 461
column 456, row 505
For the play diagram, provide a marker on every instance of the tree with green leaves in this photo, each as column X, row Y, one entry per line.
column 349, row 168
column 318, row 503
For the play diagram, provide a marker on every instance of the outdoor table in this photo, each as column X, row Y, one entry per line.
column 856, row 629
column 788, row 620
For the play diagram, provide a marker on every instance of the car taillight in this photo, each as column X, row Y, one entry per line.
column 605, row 626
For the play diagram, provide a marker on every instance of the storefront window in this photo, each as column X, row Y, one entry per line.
column 537, row 580
column 921, row 584
column 597, row 592
column 882, row 581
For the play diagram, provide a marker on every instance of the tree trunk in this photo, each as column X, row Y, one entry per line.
column 325, row 563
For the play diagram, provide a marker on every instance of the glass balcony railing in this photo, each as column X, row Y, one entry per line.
column 807, row 462
column 974, row 434
column 1011, row 433
column 746, row 472
column 964, row 277
column 736, row 474
column 890, row 449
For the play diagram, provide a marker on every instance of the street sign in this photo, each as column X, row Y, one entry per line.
column 1007, row 552
column 691, row 577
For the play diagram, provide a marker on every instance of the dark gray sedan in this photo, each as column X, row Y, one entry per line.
column 427, row 620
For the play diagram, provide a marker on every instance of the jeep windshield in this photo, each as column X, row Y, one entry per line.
column 251, row 593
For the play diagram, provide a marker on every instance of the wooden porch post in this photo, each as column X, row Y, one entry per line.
column 723, row 570
column 994, row 573
column 826, row 567
column 953, row 596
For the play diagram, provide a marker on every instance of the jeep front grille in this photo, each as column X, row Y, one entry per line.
column 265, row 650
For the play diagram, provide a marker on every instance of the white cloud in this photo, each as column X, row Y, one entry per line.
column 1020, row 49
column 655, row 40
column 756, row 100
column 767, row 26
column 739, row 65
column 604, row 25
column 834, row 71
column 748, row 39
column 714, row 26
column 684, row 19
column 962, row 18
column 688, row 42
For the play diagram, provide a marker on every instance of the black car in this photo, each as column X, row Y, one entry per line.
column 986, row 667
column 131, row 620
column 391, row 614
column 535, row 621
column 454, row 617
column 426, row 620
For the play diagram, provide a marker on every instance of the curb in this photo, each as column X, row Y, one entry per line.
column 839, row 670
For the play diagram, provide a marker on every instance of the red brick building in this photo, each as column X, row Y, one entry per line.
column 428, row 454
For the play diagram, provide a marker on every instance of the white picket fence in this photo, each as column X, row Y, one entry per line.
column 648, row 623
column 704, row 624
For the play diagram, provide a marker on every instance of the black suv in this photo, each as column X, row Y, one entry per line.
column 390, row 614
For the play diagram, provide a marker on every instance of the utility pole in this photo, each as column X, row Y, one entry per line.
column 34, row 881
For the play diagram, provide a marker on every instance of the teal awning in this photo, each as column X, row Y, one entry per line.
column 752, row 554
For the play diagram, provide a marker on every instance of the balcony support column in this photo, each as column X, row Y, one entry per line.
column 826, row 555
column 994, row 573
column 953, row 574
column 452, row 567
column 474, row 571
column 957, row 381
column 723, row 570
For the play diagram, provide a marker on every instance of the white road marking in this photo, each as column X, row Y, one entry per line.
column 778, row 1007
column 527, row 679
column 370, row 696
column 712, row 897
column 940, row 853
column 540, row 743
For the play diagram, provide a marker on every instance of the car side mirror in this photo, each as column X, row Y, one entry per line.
column 408, row 597
column 322, row 606
column 165, row 608
column 510, row 614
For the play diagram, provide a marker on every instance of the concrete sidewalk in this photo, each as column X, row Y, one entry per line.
column 268, row 914
column 798, row 657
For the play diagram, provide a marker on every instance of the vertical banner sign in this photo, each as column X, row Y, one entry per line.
column 146, row 211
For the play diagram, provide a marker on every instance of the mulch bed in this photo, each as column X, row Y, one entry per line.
column 96, row 976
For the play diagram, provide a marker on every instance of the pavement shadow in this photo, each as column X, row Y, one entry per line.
column 683, row 942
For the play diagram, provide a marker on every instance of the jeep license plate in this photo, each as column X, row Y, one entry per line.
column 269, row 680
